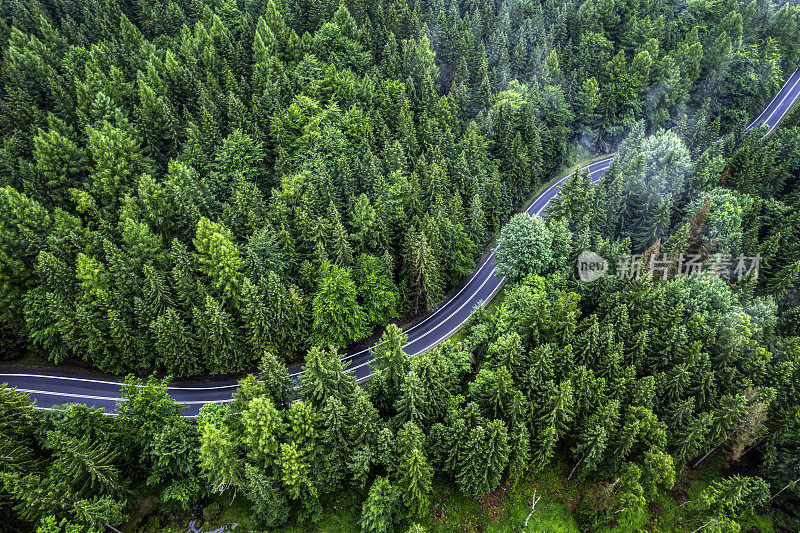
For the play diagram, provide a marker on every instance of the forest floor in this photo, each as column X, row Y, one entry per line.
column 503, row 510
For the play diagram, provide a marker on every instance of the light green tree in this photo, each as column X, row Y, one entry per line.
column 338, row 317
column 525, row 247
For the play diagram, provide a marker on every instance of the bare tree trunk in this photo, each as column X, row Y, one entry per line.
column 704, row 526
column 533, row 506
column 783, row 489
column 575, row 467
column 709, row 453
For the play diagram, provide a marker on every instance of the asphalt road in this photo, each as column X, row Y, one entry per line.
column 779, row 106
column 56, row 386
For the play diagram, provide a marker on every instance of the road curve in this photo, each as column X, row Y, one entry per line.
column 56, row 386
column 780, row 105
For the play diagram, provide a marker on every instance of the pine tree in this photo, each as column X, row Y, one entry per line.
column 498, row 452
column 59, row 162
column 219, row 460
column 414, row 480
column 552, row 421
column 338, row 317
column 259, row 326
column 25, row 224
column 390, row 366
column 508, row 352
column 691, row 437
column 381, row 510
column 411, row 404
column 483, row 459
column 118, row 162
column 296, row 475
column 334, row 443
column 278, row 385
column 288, row 309
column 221, row 337
column 591, row 447
column 175, row 344
column 520, row 459
column 477, row 221
column 483, row 92
column 218, row 258
column 495, row 394
column 324, row 377
column 424, row 276
column 270, row 507
column 263, row 430
column 731, row 498
column 87, row 464
column 376, row 290
column 342, row 252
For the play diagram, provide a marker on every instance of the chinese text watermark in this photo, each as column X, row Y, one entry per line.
column 592, row 266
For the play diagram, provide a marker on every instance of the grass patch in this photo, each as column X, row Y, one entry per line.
column 506, row 508
column 502, row 510
column 341, row 521
column 452, row 511
column 341, row 516
column 552, row 512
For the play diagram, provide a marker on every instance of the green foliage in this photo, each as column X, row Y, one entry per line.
column 270, row 506
column 145, row 409
column 192, row 188
column 219, row 461
column 174, row 456
column 49, row 524
column 415, row 480
column 484, row 458
column 61, row 471
column 380, row 511
column 390, row 365
column 376, row 290
column 731, row 498
column 325, row 377
column 338, row 317
column 88, row 465
column 198, row 180
column 424, row 275
column 525, row 247
column 218, row 258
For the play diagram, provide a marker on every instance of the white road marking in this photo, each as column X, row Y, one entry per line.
column 438, row 341
column 491, row 275
column 106, row 398
column 753, row 123
column 118, row 383
column 781, row 103
column 783, row 115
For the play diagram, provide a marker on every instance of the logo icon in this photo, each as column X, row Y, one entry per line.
column 591, row 266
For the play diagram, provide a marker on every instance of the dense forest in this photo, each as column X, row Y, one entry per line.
column 195, row 188
column 188, row 185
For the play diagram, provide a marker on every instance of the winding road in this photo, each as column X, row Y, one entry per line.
column 779, row 106
column 56, row 386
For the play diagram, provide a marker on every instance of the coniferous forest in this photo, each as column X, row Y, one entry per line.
column 199, row 188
